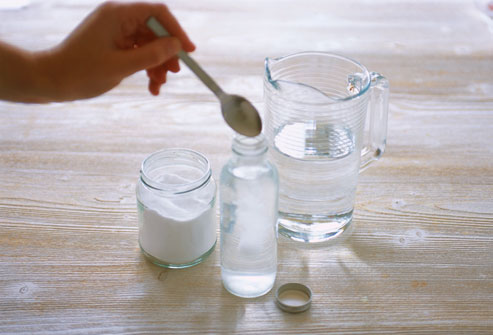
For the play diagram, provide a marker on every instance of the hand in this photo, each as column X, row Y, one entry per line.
column 112, row 43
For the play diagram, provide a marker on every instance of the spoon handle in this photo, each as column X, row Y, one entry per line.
column 156, row 27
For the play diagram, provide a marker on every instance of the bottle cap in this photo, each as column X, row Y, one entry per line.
column 294, row 297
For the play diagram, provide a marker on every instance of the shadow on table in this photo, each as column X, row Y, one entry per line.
column 193, row 298
column 196, row 299
column 362, row 244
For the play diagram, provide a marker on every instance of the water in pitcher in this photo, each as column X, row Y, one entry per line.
column 328, row 157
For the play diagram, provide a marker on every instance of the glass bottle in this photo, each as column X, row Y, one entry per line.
column 248, row 193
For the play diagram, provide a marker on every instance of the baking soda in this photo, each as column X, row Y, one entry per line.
column 178, row 229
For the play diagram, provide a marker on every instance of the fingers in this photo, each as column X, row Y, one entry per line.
column 164, row 16
column 155, row 86
column 157, row 75
column 149, row 55
column 172, row 65
column 156, row 55
column 159, row 72
column 167, row 19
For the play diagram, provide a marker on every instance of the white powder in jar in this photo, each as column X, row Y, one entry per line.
column 177, row 230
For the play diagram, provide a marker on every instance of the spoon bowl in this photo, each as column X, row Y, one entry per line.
column 240, row 115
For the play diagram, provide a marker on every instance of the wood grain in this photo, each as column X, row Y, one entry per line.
column 419, row 260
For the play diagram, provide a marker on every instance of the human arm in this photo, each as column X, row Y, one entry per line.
column 110, row 44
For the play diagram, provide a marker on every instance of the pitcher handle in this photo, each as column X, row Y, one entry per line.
column 376, row 137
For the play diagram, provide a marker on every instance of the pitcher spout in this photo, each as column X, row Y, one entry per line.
column 269, row 63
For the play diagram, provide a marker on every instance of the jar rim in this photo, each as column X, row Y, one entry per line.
column 196, row 159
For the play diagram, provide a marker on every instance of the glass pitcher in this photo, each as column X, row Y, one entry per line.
column 320, row 138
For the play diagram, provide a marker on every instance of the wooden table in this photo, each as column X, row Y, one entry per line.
column 420, row 259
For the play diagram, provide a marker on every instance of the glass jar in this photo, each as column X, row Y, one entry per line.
column 175, row 198
column 248, row 192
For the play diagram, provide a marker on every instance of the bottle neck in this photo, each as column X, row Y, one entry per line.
column 249, row 150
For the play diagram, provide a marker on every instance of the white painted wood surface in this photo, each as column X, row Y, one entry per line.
column 419, row 259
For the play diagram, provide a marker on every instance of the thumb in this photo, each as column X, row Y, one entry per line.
column 150, row 54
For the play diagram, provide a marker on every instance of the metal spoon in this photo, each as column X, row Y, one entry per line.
column 237, row 111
